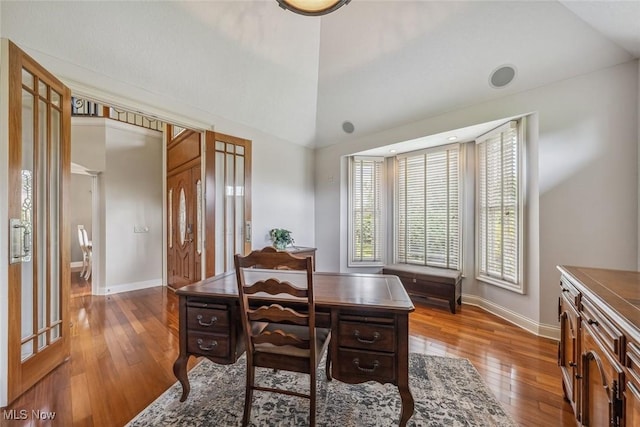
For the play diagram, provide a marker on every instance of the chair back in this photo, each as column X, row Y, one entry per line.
column 83, row 240
column 287, row 304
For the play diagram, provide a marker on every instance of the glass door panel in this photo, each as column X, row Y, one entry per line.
column 231, row 208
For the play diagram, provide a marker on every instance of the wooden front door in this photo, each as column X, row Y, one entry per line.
column 184, row 196
column 39, row 173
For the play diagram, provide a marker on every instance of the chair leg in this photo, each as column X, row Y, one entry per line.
column 84, row 265
column 312, row 399
column 87, row 275
column 327, row 368
column 248, row 396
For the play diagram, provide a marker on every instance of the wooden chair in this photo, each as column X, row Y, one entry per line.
column 280, row 332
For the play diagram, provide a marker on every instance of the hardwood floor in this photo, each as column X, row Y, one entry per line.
column 123, row 348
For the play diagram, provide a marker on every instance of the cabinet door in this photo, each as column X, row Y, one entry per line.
column 568, row 353
column 632, row 405
column 601, row 379
column 632, row 388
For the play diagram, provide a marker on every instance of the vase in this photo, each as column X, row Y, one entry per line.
column 280, row 245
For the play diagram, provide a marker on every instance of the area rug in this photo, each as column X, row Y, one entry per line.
column 447, row 392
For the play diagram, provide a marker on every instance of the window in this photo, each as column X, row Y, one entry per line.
column 366, row 225
column 499, row 207
column 428, row 208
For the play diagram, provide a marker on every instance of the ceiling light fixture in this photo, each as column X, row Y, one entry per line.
column 452, row 138
column 312, row 7
column 392, row 151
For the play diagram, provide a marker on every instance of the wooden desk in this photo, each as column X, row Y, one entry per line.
column 368, row 315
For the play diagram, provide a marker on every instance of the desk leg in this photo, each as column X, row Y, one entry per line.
column 407, row 404
column 180, row 371
column 403, row 370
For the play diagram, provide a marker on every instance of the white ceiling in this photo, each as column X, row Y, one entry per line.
column 378, row 64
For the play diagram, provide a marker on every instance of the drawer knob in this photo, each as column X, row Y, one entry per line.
column 593, row 322
column 214, row 319
column 213, row 345
column 376, row 337
column 356, row 362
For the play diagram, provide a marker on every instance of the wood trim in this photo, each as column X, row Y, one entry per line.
column 209, row 204
column 183, row 150
column 15, row 130
column 184, row 167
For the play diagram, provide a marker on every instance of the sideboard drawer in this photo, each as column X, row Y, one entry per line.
column 207, row 319
column 570, row 292
column 358, row 365
column 633, row 364
column 603, row 329
column 368, row 336
column 208, row 344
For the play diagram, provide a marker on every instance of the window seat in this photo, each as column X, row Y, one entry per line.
column 429, row 282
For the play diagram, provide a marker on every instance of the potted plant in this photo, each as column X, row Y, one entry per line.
column 281, row 238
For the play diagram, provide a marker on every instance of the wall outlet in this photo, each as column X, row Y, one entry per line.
column 140, row 229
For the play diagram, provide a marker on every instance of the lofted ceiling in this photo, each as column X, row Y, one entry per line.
column 376, row 64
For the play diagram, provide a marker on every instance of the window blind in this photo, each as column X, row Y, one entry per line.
column 498, row 205
column 366, row 199
column 428, row 208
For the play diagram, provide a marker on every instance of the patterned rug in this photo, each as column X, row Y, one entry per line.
column 447, row 392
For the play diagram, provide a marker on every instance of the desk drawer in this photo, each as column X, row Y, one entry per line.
column 358, row 366
column 367, row 336
column 207, row 319
column 208, row 344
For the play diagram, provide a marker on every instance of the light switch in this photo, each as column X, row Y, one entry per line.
column 140, row 229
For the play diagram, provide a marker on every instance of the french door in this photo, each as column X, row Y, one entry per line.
column 228, row 200
column 39, row 173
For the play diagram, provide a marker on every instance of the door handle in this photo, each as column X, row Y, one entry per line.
column 247, row 231
column 20, row 241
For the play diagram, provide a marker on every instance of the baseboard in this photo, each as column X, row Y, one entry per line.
column 539, row 329
column 127, row 287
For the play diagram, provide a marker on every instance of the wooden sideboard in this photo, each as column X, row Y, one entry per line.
column 429, row 282
column 302, row 251
column 599, row 349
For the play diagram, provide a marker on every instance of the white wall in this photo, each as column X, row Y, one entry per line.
column 587, row 182
column 283, row 192
column 87, row 143
column 132, row 183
